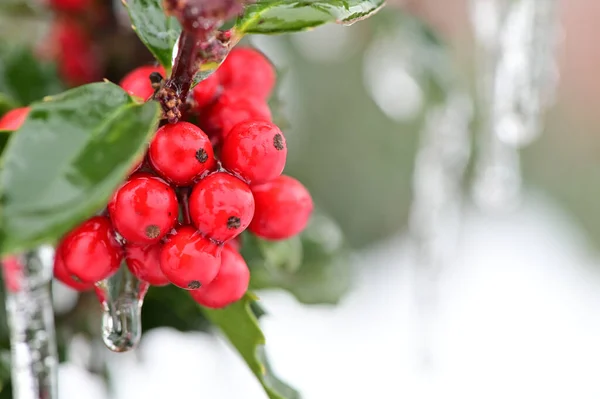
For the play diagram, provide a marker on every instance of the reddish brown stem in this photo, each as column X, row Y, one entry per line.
column 183, row 195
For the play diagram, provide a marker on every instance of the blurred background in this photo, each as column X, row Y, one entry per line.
column 452, row 143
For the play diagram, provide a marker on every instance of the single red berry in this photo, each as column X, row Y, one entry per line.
column 144, row 262
column 144, row 209
column 137, row 82
column 221, row 206
column 232, row 108
column 190, row 260
column 14, row 119
column 254, row 150
column 90, row 252
column 204, row 92
column 246, row 70
column 62, row 274
column 229, row 286
column 181, row 153
column 283, row 208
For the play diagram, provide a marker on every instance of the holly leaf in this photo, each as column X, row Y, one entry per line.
column 71, row 153
column 313, row 266
column 23, row 78
column 154, row 28
column 240, row 325
column 282, row 16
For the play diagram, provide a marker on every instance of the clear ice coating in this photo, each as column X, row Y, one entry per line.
column 436, row 207
column 121, row 297
column 516, row 46
column 34, row 359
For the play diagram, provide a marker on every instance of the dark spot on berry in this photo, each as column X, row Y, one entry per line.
column 194, row 285
column 152, row 231
column 278, row 142
column 234, row 222
column 155, row 78
column 201, row 155
column 75, row 278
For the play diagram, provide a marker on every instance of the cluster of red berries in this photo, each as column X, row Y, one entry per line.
column 178, row 216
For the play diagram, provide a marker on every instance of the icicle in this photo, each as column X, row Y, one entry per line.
column 34, row 360
column 121, row 297
column 437, row 201
column 516, row 77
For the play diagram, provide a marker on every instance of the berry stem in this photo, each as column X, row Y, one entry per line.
column 183, row 194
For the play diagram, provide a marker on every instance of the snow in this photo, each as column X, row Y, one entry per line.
column 517, row 318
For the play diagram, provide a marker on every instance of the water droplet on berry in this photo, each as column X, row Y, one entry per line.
column 121, row 297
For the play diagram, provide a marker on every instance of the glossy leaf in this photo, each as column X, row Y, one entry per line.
column 68, row 157
column 23, row 78
column 156, row 30
column 281, row 16
column 314, row 266
column 240, row 325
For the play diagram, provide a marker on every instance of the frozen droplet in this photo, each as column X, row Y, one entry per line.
column 121, row 297
column 31, row 322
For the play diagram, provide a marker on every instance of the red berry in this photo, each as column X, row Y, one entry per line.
column 144, row 263
column 255, row 151
column 90, row 252
column 62, row 274
column 137, row 82
column 221, row 206
column 205, row 92
column 144, row 209
column 248, row 71
column 229, row 286
column 181, row 153
column 283, row 207
column 232, row 108
column 13, row 120
column 78, row 62
column 188, row 259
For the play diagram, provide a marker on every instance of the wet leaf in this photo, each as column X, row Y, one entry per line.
column 240, row 325
column 281, row 16
column 157, row 31
column 71, row 153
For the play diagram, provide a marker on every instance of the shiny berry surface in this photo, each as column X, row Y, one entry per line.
column 221, row 206
column 13, row 119
column 62, row 274
column 205, row 92
column 248, row 71
column 143, row 262
column 181, row 153
column 229, row 286
column 283, row 208
column 144, row 209
column 90, row 252
column 254, row 150
column 137, row 82
column 232, row 108
column 189, row 260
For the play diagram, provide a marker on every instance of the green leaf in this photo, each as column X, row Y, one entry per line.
column 281, row 16
column 157, row 31
column 23, row 78
column 240, row 325
column 68, row 157
column 4, row 136
column 313, row 266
